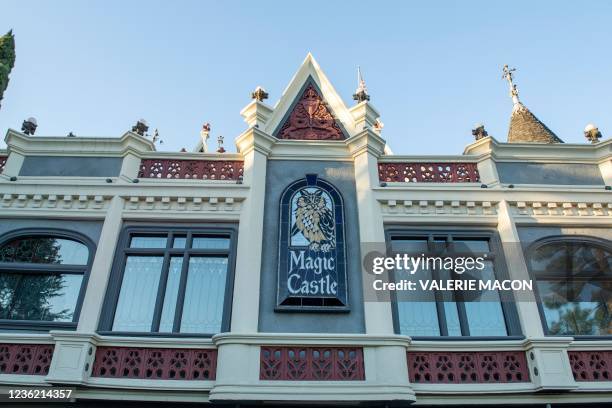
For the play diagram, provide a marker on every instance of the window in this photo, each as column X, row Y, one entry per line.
column 432, row 313
column 174, row 281
column 42, row 279
column 574, row 284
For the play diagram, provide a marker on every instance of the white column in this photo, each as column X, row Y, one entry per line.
column 528, row 311
column 101, row 268
column 366, row 148
column 253, row 145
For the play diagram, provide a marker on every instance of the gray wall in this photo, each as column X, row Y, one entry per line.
column 71, row 166
column 549, row 173
column 280, row 174
column 91, row 229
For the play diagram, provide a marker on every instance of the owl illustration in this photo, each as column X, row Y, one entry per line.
column 314, row 220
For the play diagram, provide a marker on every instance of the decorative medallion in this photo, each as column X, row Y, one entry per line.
column 311, row 119
column 312, row 264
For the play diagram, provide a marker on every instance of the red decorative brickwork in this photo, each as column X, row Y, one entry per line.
column 591, row 365
column 311, row 119
column 2, row 162
column 155, row 363
column 25, row 359
column 428, row 172
column 311, row 363
column 467, row 367
column 191, row 169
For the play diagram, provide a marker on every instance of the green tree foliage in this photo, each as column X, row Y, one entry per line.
column 7, row 60
column 30, row 296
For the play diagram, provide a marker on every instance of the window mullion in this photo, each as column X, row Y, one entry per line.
column 161, row 292
column 178, row 312
column 437, row 295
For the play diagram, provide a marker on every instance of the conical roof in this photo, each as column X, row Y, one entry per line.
column 525, row 127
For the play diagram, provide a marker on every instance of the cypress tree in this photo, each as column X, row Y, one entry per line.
column 7, row 60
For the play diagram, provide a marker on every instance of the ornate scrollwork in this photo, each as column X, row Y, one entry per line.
column 25, row 359
column 155, row 363
column 191, row 169
column 311, row 119
column 428, row 172
column 467, row 367
column 311, row 363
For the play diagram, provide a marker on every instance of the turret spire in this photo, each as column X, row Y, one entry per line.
column 525, row 127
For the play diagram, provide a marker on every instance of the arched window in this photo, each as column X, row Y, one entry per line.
column 42, row 279
column 574, row 283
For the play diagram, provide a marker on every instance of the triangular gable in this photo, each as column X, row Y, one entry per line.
column 310, row 118
column 326, row 103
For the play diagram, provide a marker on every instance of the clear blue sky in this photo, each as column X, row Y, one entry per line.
column 433, row 68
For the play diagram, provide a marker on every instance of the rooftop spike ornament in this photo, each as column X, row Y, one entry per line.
column 509, row 76
column 361, row 93
column 29, row 126
column 141, row 127
column 259, row 94
column 220, row 149
column 204, row 134
column 479, row 131
column 592, row 133
column 156, row 137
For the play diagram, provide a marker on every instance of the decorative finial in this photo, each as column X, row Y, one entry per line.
column 379, row 125
column 29, row 126
column 204, row 133
column 592, row 133
column 156, row 137
column 509, row 76
column 259, row 94
column 220, row 149
column 479, row 131
column 361, row 94
column 141, row 127
column 71, row 135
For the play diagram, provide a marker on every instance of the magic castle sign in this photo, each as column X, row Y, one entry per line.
column 312, row 255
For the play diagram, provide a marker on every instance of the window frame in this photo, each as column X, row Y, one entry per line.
column 535, row 245
column 51, row 269
column 122, row 251
column 510, row 313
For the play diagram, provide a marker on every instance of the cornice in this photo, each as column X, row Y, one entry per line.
column 548, row 153
column 77, row 146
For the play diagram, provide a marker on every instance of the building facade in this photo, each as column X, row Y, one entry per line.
column 141, row 276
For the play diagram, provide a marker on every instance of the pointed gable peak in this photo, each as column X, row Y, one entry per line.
column 310, row 108
column 525, row 127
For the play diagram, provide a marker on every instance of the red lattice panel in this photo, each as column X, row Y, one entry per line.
column 155, row 363
column 591, row 365
column 285, row 363
column 2, row 162
column 428, row 172
column 25, row 359
column 467, row 367
column 191, row 169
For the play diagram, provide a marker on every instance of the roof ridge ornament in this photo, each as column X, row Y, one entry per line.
column 509, row 76
column 361, row 93
column 259, row 94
